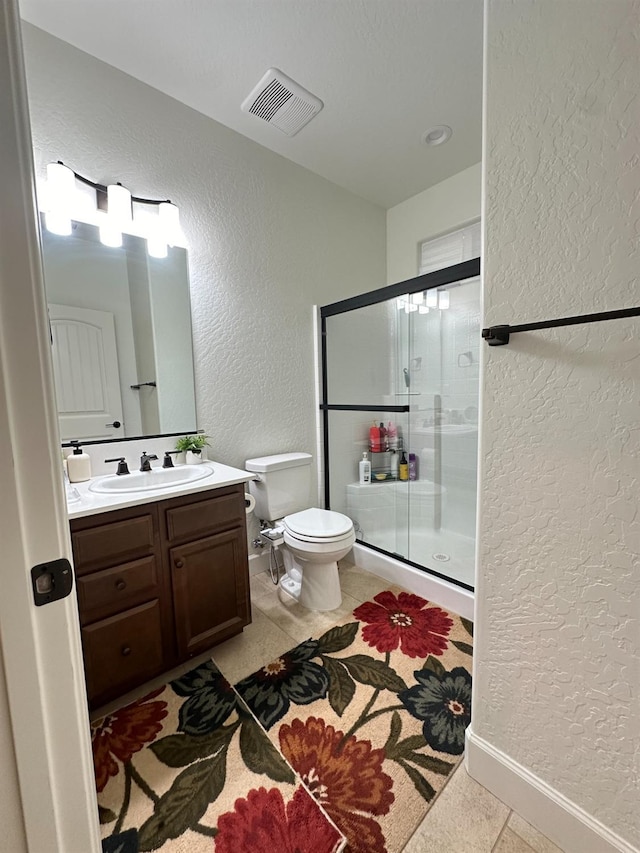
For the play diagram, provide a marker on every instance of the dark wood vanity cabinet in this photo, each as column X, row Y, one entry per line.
column 157, row 584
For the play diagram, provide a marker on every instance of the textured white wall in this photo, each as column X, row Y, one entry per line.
column 267, row 239
column 558, row 641
column 443, row 207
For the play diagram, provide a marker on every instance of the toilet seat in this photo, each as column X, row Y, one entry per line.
column 321, row 526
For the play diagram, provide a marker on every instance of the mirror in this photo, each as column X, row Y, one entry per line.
column 121, row 337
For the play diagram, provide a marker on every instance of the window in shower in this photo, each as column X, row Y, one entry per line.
column 407, row 355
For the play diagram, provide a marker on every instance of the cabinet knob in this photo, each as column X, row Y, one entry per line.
column 179, row 564
column 120, row 584
column 125, row 650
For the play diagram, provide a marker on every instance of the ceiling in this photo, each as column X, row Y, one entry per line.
column 386, row 70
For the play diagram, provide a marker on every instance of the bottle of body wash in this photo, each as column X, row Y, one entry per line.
column 413, row 466
column 384, row 445
column 78, row 464
column 374, row 438
column 392, row 436
column 364, row 468
column 403, row 468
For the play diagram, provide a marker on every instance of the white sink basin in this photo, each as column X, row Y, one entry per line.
column 143, row 481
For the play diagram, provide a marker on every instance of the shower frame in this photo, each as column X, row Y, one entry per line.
column 438, row 278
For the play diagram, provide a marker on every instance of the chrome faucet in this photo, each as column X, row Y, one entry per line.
column 145, row 460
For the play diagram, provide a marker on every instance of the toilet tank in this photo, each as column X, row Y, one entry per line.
column 284, row 484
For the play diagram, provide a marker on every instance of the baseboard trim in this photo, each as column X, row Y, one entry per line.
column 258, row 562
column 561, row 820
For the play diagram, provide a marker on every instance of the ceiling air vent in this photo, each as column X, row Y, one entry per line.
column 279, row 100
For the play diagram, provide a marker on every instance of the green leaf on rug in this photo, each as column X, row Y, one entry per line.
column 338, row 638
column 430, row 762
column 105, row 815
column 464, row 647
column 394, row 733
column 467, row 625
column 180, row 750
column 421, row 785
column 342, row 688
column 375, row 673
column 182, row 806
column 260, row 755
column 435, row 666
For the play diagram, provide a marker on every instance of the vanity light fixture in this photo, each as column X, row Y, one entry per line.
column 114, row 210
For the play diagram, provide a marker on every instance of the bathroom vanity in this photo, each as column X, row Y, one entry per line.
column 160, row 577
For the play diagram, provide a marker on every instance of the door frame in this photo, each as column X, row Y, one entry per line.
column 41, row 649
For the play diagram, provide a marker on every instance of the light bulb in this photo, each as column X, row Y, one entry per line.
column 61, row 184
column 432, row 298
column 169, row 221
column 156, row 246
column 119, row 206
column 109, row 233
column 417, row 298
column 443, row 299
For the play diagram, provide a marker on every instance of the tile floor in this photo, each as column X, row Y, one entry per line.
column 465, row 817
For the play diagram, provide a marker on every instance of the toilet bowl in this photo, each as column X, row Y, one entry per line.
column 313, row 539
column 317, row 539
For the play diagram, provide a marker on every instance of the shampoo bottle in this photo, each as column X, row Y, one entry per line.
column 374, row 438
column 78, row 465
column 392, row 436
column 403, row 468
column 384, row 444
column 413, row 466
column 364, row 468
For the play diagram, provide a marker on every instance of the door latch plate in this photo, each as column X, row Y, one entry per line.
column 51, row 581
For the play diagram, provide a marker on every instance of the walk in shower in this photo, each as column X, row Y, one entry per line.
column 407, row 355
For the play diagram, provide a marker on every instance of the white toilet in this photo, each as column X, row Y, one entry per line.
column 315, row 539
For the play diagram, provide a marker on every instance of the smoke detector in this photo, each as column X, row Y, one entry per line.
column 280, row 101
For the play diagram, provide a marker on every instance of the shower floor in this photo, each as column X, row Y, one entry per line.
column 429, row 548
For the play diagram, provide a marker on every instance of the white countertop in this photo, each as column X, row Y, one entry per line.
column 91, row 503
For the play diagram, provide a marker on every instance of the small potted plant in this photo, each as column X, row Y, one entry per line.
column 191, row 446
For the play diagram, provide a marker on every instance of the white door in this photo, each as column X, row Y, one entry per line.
column 85, row 369
column 47, row 795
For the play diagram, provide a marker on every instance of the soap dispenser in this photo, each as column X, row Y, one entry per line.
column 78, row 464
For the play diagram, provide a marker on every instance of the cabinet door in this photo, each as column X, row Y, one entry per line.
column 122, row 651
column 210, row 590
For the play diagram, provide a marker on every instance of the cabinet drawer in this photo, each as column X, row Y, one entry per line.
column 122, row 651
column 109, row 544
column 195, row 519
column 110, row 591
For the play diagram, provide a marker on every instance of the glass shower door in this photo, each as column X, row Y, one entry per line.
column 360, row 366
column 409, row 360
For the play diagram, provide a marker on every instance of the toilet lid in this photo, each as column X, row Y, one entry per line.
column 319, row 523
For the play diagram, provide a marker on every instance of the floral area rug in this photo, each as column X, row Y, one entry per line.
column 187, row 769
column 372, row 715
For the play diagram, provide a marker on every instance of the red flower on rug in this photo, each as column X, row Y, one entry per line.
column 405, row 621
column 345, row 777
column 124, row 732
column 263, row 822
